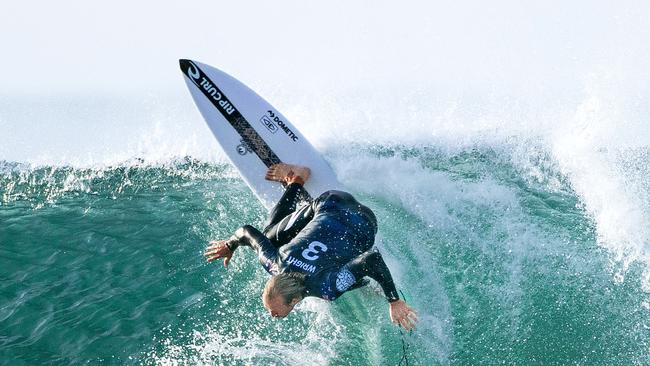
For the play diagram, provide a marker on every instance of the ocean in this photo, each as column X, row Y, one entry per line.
column 516, row 227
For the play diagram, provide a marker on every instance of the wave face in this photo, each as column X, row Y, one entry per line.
column 511, row 252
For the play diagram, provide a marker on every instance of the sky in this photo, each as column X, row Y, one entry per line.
column 121, row 47
column 88, row 81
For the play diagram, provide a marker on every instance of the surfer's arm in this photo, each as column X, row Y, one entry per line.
column 251, row 237
column 372, row 264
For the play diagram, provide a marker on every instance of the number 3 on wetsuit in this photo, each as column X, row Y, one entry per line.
column 311, row 252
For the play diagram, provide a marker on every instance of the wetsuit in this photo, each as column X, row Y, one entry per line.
column 328, row 239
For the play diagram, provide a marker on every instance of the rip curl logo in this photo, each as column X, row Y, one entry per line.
column 243, row 148
column 193, row 72
column 209, row 89
column 198, row 80
column 344, row 280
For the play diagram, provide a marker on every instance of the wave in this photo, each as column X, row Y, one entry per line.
column 497, row 213
column 473, row 235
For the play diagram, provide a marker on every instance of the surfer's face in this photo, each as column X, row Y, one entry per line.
column 277, row 307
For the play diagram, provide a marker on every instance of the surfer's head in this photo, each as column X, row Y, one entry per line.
column 282, row 292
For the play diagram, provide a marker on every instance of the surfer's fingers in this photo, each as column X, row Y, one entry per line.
column 216, row 254
column 399, row 318
column 217, row 249
column 413, row 316
column 271, row 170
column 212, row 253
column 411, row 312
column 407, row 324
column 409, row 317
column 213, row 257
column 412, row 320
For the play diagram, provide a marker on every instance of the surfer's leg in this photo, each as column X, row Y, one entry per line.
column 294, row 194
column 288, row 227
column 294, row 177
column 288, row 217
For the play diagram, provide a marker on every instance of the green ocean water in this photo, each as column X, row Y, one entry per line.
column 503, row 262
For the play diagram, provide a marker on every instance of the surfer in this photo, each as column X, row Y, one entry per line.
column 320, row 247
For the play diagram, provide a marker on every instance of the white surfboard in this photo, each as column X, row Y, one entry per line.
column 253, row 134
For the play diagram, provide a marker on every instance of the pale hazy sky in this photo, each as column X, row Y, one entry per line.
column 119, row 46
column 99, row 81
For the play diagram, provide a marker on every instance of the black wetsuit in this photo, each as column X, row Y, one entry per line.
column 329, row 240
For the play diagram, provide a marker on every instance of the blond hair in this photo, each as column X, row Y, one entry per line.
column 288, row 286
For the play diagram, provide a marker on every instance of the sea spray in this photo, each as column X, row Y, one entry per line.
column 501, row 265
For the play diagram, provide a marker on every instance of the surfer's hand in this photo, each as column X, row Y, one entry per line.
column 218, row 249
column 402, row 315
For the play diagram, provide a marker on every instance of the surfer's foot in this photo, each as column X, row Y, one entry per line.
column 288, row 173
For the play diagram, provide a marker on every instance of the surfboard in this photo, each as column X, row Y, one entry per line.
column 253, row 134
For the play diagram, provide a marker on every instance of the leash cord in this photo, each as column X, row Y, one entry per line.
column 404, row 360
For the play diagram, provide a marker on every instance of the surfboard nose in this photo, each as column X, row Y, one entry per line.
column 184, row 63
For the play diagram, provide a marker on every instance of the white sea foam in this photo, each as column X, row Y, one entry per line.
column 211, row 346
